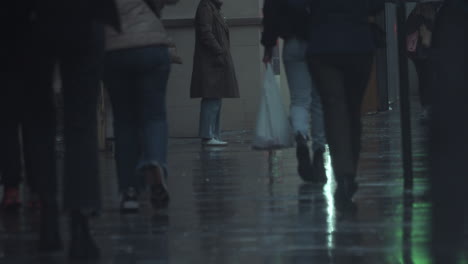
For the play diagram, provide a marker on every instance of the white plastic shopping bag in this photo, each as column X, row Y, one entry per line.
column 273, row 130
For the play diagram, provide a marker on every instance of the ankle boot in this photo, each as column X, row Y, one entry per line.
column 49, row 236
column 319, row 171
column 82, row 246
column 346, row 188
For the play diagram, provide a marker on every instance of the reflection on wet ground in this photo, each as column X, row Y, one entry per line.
column 235, row 205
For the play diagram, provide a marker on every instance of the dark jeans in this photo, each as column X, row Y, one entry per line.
column 78, row 51
column 342, row 81
column 137, row 80
column 449, row 140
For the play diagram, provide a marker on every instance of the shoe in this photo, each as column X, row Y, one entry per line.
column 346, row 188
column 304, row 169
column 214, row 143
column 319, row 171
column 130, row 203
column 159, row 195
column 11, row 201
column 82, row 246
column 49, row 233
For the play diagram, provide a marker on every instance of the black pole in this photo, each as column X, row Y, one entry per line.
column 405, row 109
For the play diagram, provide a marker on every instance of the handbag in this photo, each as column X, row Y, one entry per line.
column 273, row 130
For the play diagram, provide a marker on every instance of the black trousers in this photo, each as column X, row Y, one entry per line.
column 449, row 140
column 342, row 81
column 425, row 79
column 76, row 45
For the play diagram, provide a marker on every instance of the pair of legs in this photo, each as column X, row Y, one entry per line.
column 342, row 80
column 210, row 121
column 137, row 79
column 76, row 45
column 305, row 103
column 305, row 98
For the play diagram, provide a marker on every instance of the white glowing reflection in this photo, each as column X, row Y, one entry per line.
column 329, row 191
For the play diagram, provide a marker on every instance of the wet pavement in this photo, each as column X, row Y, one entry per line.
column 235, row 205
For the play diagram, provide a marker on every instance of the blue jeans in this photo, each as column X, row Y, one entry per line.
column 305, row 98
column 136, row 80
column 210, row 115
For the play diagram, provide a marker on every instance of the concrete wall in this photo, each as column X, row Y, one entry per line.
column 238, row 114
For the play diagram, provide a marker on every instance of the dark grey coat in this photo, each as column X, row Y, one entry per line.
column 213, row 73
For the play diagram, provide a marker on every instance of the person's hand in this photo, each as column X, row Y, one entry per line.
column 220, row 60
column 426, row 35
column 268, row 56
column 175, row 58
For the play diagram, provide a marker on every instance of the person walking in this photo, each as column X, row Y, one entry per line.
column 70, row 34
column 419, row 27
column 341, row 50
column 136, row 72
column 213, row 76
column 282, row 19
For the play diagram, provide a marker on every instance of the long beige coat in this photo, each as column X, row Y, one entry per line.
column 213, row 73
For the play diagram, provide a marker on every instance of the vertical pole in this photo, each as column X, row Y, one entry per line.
column 405, row 109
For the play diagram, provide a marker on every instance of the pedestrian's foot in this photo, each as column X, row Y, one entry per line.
column 344, row 194
column 129, row 203
column 82, row 246
column 213, row 142
column 319, row 167
column 159, row 195
column 303, row 158
column 11, row 201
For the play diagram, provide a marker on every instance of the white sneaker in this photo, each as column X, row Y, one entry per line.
column 129, row 202
column 214, row 142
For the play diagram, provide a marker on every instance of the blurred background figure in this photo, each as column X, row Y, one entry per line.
column 213, row 76
column 341, row 49
column 286, row 20
column 448, row 139
column 136, row 71
column 420, row 27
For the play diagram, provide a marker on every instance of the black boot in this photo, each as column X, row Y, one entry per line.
column 82, row 245
column 49, row 237
column 346, row 188
column 319, row 167
column 303, row 158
